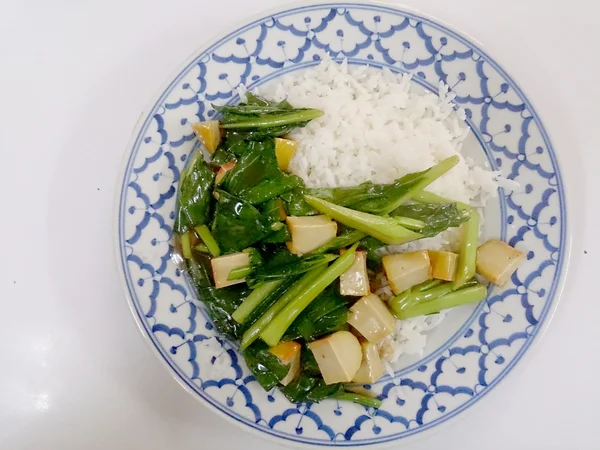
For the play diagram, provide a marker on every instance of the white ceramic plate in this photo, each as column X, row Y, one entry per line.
column 474, row 349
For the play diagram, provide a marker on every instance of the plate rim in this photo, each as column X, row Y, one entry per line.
column 517, row 364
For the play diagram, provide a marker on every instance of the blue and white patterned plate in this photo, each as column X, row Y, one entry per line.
column 478, row 348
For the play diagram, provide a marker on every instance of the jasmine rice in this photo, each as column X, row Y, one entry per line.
column 377, row 128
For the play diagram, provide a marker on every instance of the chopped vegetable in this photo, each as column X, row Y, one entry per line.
column 435, row 217
column 256, row 297
column 284, row 264
column 195, row 194
column 208, row 133
column 469, row 294
column 270, row 120
column 237, row 224
column 208, row 240
column 300, row 286
column 276, row 329
column 223, row 171
column 405, row 270
column 371, row 368
column 284, row 151
column 289, row 354
column 326, row 314
column 422, row 293
column 497, row 261
column 355, row 280
column 386, row 229
column 186, row 246
column 222, row 265
column 345, row 239
column 467, row 256
column 443, row 265
column 430, row 197
column 268, row 369
column 310, row 232
column 371, row 318
column 339, row 356
column 256, row 177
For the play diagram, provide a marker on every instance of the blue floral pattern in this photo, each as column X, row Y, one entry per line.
column 470, row 364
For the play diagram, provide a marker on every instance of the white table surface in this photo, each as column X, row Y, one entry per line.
column 75, row 372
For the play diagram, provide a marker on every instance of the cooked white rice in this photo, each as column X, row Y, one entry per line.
column 377, row 128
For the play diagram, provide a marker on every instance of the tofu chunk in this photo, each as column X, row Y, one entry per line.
column 339, row 356
column 222, row 265
column 443, row 265
column 497, row 261
column 405, row 270
column 285, row 149
column 371, row 368
column 355, row 280
column 372, row 318
column 223, row 170
column 208, row 133
column 310, row 232
column 288, row 353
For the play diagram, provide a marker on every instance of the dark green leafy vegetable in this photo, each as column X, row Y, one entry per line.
column 307, row 388
column 257, row 177
column 368, row 197
column 195, row 194
column 237, row 224
column 326, row 314
column 285, row 264
column 267, row 369
column 371, row 245
column 437, row 216
column 221, row 157
column 280, row 236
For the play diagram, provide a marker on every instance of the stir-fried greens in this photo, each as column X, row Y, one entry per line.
column 266, row 253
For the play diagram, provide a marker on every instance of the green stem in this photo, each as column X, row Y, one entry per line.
column 432, row 174
column 276, row 329
column 411, row 224
column 208, row 240
column 254, row 331
column 416, row 296
column 358, row 398
column 430, row 197
column 427, row 285
column 343, row 240
column 465, row 267
column 256, row 297
column 460, row 297
column 201, row 248
column 386, row 229
column 239, row 272
column 275, row 120
column 186, row 245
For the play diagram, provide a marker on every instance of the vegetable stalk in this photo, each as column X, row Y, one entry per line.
column 255, row 298
column 417, row 295
column 460, row 297
column 275, row 120
column 240, row 272
column 430, row 197
column 467, row 256
column 254, row 331
column 358, row 398
column 277, row 328
column 386, row 229
column 208, row 240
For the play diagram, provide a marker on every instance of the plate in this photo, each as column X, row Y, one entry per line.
column 476, row 348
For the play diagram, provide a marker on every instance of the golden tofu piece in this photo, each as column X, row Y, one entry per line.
column 285, row 149
column 222, row 265
column 371, row 367
column 288, row 353
column 355, row 280
column 405, row 270
column 497, row 261
column 310, row 232
column 208, row 133
column 443, row 265
column 339, row 356
column 372, row 318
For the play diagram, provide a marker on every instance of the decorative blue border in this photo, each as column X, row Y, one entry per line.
column 551, row 296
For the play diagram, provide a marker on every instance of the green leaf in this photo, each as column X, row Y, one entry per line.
column 306, row 388
column 371, row 245
column 257, row 177
column 221, row 157
column 326, row 314
column 284, row 264
column 437, row 216
column 237, row 224
column 267, row 369
column 221, row 303
column 195, row 194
